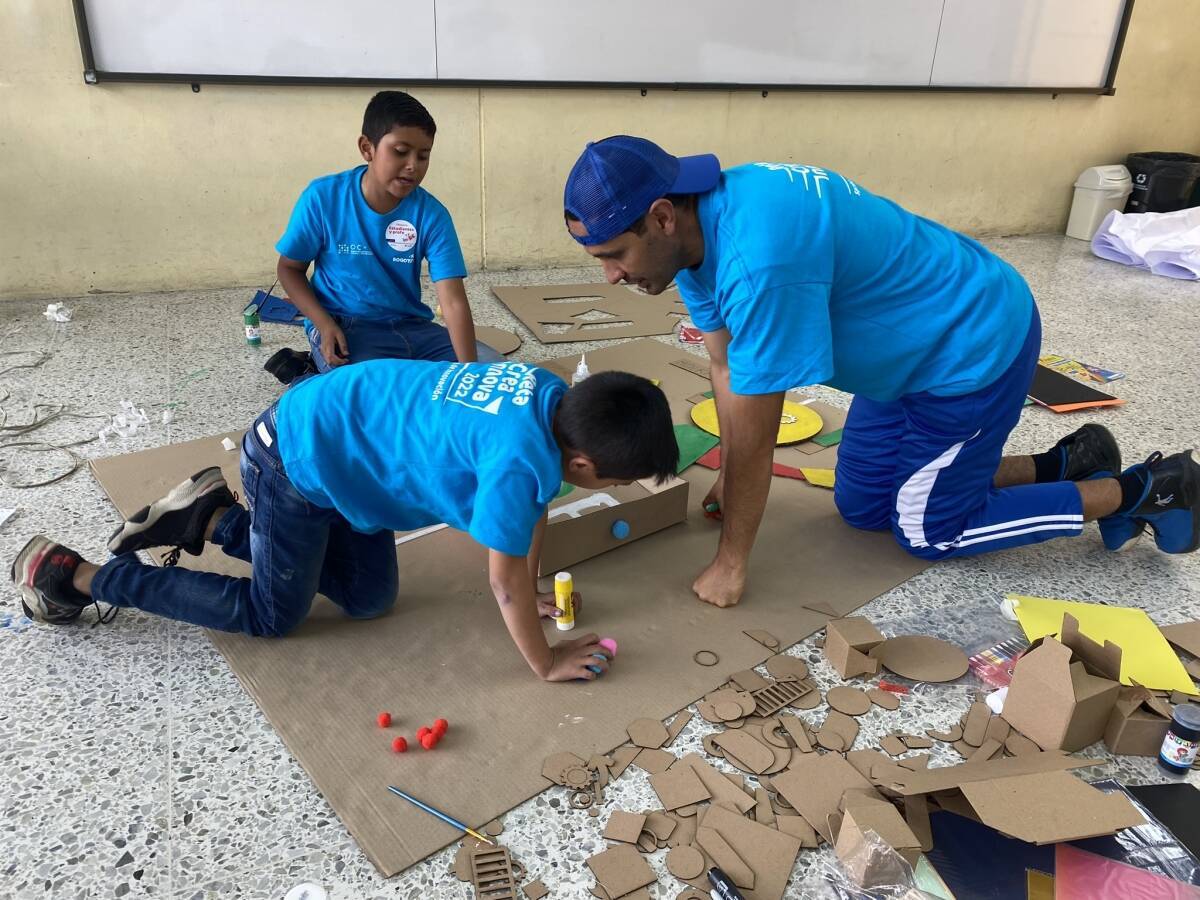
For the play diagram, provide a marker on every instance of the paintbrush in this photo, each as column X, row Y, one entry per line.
column 441, row 815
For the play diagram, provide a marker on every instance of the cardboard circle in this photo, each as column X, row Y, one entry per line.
column 703, row 657
column 685, row 862
column 810, row 700
column 581, row 799
column 796, row 423
column 921, row 658
column 728, row 711
column 787, row 668
column 848, row 700
column 884, row 699
column 501, row 340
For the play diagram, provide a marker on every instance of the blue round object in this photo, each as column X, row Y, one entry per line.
column 620, row 529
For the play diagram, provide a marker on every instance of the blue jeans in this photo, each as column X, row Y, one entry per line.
column 296, row 550
column 406, row 338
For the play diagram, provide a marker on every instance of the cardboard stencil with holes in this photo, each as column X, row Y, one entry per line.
column 561, row 313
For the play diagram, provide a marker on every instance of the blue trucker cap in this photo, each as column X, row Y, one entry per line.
column 615, row 180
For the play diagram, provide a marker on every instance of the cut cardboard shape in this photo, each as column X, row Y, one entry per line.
column 843, row 725
column 725, row 857
column 623, row 757
column 624, row 826
column 775, row 696
column 997, row 729
column 535, row 890
column 654, row 761
column 921, row 658
column 763, row 813
column 798, row 828
column 660, row 824
column 676, row 727
column 493, row 873
column 570, row 540
column 848, row 700
column 916, row 814
column 864, row 760
column 745, row 752
column 946, row 778
column 987, row 750
column 893, row 745
column 885, row 821
column 501, row 340
column 557, row 764
column 678, row 786
column 765, row 638
column 797, row 732
column 560, row 313
column 685, row 862
column 632, row 592
column 1146, row 658
column 884, row 699
column 1019, row 745
column 769, row 853
column 975, row 726
column 1055, row 701
column 694, row 364
column 621, row 870
column 647, row 842
column 954, row 733
column 1138, row 723
column 648, row 733
column 847, row 641
column 1048, row 807
column 1185, row 636
column 749, row 680
column 721, row 789
column 916, row 742
column 814, row 786
column 783, row 667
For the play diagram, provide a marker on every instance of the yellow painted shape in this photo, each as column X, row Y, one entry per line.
column 819, row 477
column 797, row 422
column 1146, row 657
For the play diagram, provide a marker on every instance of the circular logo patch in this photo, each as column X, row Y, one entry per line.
column 401, row 235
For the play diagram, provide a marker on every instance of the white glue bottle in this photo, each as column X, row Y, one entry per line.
column 581, row 370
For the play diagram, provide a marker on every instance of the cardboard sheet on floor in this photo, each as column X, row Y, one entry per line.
column 443, row 651
column 557, row 313
column 1146, row 657
column 1185, row 636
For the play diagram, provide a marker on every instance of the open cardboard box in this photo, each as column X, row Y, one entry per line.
column 1063, row 691
column 589, row 530
column 1138, row 723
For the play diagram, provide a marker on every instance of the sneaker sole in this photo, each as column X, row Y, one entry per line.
column 181, row 496
column 21, row 573
column 1192, row 482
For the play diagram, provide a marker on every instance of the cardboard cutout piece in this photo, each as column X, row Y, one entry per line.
column 562, row 313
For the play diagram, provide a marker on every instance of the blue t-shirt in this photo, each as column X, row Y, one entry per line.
column 367, row 263
column 401, row 444
column 820, row 281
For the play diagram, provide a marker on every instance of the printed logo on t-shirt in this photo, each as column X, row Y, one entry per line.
column 817, row 175
column 469, row 384
column 401, row 235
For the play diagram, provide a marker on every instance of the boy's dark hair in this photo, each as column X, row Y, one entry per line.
column 389, row 109
column 623, row 422
column 679, row 201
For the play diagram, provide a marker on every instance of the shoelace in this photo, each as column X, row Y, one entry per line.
column 172, row 558
column 103, row 618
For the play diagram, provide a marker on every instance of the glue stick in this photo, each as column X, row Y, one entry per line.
column 564, row 589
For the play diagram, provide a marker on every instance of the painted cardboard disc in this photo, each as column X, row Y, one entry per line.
column 797, row 422
column 921, row 658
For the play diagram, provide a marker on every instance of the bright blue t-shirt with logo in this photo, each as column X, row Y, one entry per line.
column 368, row 264
column 401, row 444
column 820, row 281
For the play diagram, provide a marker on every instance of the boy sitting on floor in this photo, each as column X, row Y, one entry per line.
column 366, row 231
column 340, row 462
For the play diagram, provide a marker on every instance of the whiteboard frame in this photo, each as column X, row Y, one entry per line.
column 94, row 76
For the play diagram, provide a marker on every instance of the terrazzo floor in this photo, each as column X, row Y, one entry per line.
column 133, row 764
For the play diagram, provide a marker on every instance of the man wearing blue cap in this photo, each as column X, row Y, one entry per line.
column 797, row 275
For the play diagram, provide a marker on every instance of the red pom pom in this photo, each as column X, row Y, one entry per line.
column 429, row 741
column 399, row 745
column 421, row 732
column 384, row 719
column 441, row 726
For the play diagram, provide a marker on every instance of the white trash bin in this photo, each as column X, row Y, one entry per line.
column 1098, row 191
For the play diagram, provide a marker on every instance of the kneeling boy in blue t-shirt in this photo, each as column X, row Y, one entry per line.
column 365, row 232
column 341, row 462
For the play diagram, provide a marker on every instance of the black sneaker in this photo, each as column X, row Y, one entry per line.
column 43, row 573
column 287, row 365
column 1090, row 452
column 178, row 519
column 1169, row 505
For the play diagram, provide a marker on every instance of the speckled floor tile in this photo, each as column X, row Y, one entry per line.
column 136, row 739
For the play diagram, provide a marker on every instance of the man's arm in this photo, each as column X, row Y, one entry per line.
column 749, row 426
column 293, row 276
column 452, row 298
column 515, row 592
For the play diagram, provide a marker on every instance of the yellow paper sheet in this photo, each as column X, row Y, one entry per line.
column 819, row 477
column 1146, row 657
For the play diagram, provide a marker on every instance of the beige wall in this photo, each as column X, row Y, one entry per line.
column 148, row 187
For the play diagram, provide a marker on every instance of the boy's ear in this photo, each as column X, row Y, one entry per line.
column 365, row 147
column 579, row 464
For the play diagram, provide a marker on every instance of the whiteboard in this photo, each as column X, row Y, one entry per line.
column 689, row 41
column 265, row 38
column 923, row 44
column 1026, row 43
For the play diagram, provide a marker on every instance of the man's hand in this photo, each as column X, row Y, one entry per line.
column 720, row 584
column 716, row 494
column 333, row 343
column 572, row 658
column 548, row 609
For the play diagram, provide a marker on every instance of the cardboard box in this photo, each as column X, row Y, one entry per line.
column 644, row 508
column 1063, row 691
column 1138, row 723
column 847, row 642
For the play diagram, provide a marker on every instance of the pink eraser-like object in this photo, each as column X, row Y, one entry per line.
column 610, row 645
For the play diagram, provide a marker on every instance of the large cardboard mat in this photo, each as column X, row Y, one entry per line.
column 443, row 651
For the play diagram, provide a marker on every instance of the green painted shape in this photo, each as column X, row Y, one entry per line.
column 693, row 443
column 829, row 440
column 563, row 490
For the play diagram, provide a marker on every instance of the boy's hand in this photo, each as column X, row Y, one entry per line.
column 572, row 658
column 548, row 609
column 333, row 343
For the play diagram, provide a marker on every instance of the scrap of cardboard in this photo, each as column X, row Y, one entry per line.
column 678, row 786
column 649, row 733
column 744, row 751
column 677, row 725
column 1146, row 657
column 501, row 340
column 848, row 700
column 493, row 873
column 783, row 667
column 719, row 787
column 749, row 680
column 654, row 761
column 921, row 658
column 976, row 723
column 685, row 862
column 1185, row 636
column 535, row 890
column 881, row 818
column 622, row 758
column 945, row 778
column 770, row 854
column 1048, row 807
column 765, row 638
column 558, row 313
column 624, row 826
column 884, row 699
column 1061, row 393
column 621, row 870
column 1138, row 723
column 632, row 592
column 725, row 857
column 814, row 785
